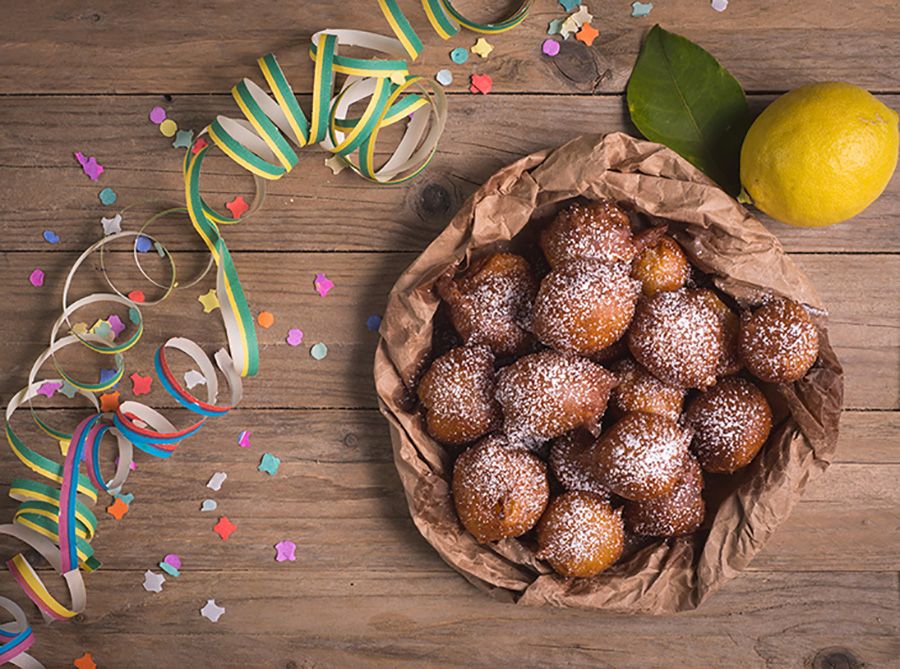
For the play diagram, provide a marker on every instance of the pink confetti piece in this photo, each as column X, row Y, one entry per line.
column 550, row 47
column 481, row 83
column 49, row 388
column 37, row 277
column 90, row 165
column 285, row 550
column 244, row 439
column 157, row 115
column 295, row 337
column 173, row 559
column 323, row 284
column 140, row 384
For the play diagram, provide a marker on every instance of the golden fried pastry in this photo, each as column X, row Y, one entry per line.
column 547, row 394
column 580, row 534
column 457, row 392
column 661, row 267
column 491, row 303
column 677, row 337
column 779, row 342
column 641, row 456
column 570, row 462
column 731, row 421
column 584, row 306
column 678, row 512
column 639, row 390
column 730, row 360
column 499, row 491
column 598, row 231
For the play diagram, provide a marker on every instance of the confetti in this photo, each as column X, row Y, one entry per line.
column 102, row 329
column 209, row 505
column 224, row 528
column 168, row 128
column 90, row 166
column 244, row 439
column 51, row 237
column 108, row 196
column 126, row 497
column 37, row 277
column 107, row 375
column 322, row 284
column 136, row 296
column 641, row 8
column 265, row 319
column 199, row 145
column 171, row 564
column 216, row 481
column 295, row 337
column 569, row 5
column 64, row 446
column 112, row 226
column 569, row 27
column 719, row 5
column 459, row 55
column 481, row 83
column 212, row 611
column 132, row 466
column 134, row 315
column 48, row 388
column 109, row 402
column 582, row 16
column 318, row 351
column 86, row 661
column 482, row 47
column 373, row 322
column 157, row 115
column 116, row 324
column 140, row 385
column 269, row 464
column 444, row 77
column 193, row 378
column 183, row 139
column 555, row 27
column 336, row 164
column 550, row 47
column 80, row 329
column 587, row 34
column 67, row 389
column 284, row 550
column 117, row 509
column 238, row 206
column 153, row 582
column 143, row 244
column 209, row 300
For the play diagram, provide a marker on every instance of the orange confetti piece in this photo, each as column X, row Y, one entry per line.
column 109, row 402
column 587, row 34
column 238, row 206
column 86, row 661
column 117, row 509
column 265, row 319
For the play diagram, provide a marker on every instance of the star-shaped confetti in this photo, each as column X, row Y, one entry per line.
column 582, row 16
column 295, row 337
column 183, row 139
column 90, row 165
column 555, row 27
column 112, row 226
column 336, row 164
column 126, row 497
column 269, row 464
column 238, row 206
column 199, row 145
column 639, row 9
column 36, row 278
column 86, row 661
column 216, row 481
column 117, row 509
column 224, row 528
column 481, row 83
column 140, row 385
column 153, row 582
column 109, row 402
column 212, row 611
column 284, row 550
column 569, row 5
column 102, row 329
column 48, row 388
column 244, row 439
column 209, row 505
column 209, row 300
column 265, row 319
column 482, row 47
column 194, row 378
column 107, row 196
column 569, row 27
column 318, row 351
column 322, row 284
column 50, row 237
column 587, row 34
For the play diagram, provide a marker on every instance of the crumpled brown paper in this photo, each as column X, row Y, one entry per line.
column 721, row 238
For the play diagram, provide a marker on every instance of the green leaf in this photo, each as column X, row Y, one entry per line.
column 680, row 96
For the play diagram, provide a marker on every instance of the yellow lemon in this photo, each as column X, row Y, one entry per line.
column 820, row 154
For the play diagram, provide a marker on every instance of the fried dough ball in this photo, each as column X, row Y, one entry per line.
column 641, row 456
column 584, row 306
column 678, row 512
column 457, row 392
column 491, row 303
column 547, row 394
column 639, row 390
column 499, row 491
column 730, row 360
column 598, row 231
column 570, row 462
column 677, row 337
column 580, row 534
column 779, row 342
column 661, row 267
column 731, row 421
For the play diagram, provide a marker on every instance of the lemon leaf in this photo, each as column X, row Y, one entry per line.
column 679, row 95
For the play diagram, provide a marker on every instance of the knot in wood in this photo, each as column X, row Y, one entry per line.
column 434, row 200
column 836, row 658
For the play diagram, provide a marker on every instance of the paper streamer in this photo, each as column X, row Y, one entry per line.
column 54, row 516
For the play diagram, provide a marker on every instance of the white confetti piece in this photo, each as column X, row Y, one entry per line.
column 212, row 611
column 153, row 582
column 216, row 481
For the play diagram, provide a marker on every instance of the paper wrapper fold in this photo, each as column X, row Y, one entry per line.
column 721, row 238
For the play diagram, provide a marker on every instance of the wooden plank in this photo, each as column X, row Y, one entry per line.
column 863, row 331
column 46, row 189
column 64, row 47
column 294, row 617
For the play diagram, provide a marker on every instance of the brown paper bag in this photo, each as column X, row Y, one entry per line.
column 721, row 238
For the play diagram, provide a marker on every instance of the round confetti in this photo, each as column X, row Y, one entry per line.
column 719, row 5
column 550, row 47
column 373, row 322
column 265, row 319
column 444, row 77
column 459, row 55
column 51, row 237
column 157, row 115
column 36, row 278
column 295, row 337
column 168, row 127
column 107, row 196
column 319, row 351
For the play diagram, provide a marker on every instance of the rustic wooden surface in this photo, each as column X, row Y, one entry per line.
column 366, row 589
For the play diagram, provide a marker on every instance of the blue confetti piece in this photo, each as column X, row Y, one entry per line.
column 183, row 139
column 108, row 196
column 269, row 464
column 555, row 27
column 68, row 389
column 169, row 569
column 127, row 497
column 569, row 5
column 103, row 330
column 134, row 315
column 51, row 237
column 143, row 244
column 641, row 8
column 107, row 375
column 373, row 322
column 459, row 55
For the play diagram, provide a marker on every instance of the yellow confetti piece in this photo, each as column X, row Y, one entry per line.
column 209, row 301
column 482, row 47
column 80, row 329
column 168, row 127
column 64, row 446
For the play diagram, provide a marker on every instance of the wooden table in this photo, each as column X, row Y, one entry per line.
column 366, row 590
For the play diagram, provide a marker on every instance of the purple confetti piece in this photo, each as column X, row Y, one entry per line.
column 37, row 278
column 244, row 439
column 373, row 322
column 295, row 337
column 323, row 284
column 285, row 550
column 157, row 115
column 173, row 559
column 49, row 388
column 550, row 47
column 90, row 165
column 116, row 324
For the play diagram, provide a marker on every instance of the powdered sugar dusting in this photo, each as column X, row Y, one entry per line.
column 598, row 231
column 579, row 533
column 779, row 342
column 639, row 390
column 679, row 512
column 570, row 463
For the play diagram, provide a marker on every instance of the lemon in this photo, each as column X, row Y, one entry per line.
column 820, row 154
